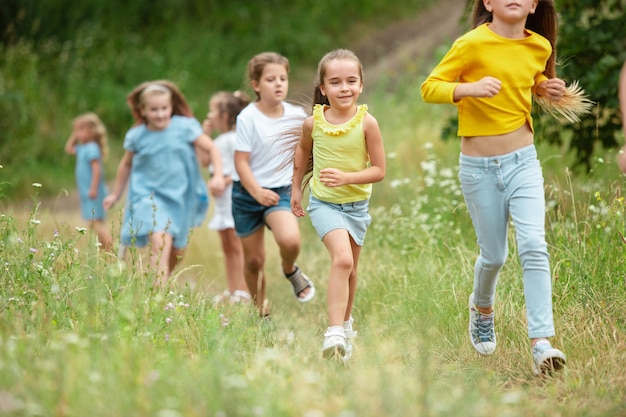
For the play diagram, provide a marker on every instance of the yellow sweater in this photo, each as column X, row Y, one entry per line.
column 342, row 147
column 518, row 63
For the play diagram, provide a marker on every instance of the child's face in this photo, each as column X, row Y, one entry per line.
column 157, row 111
column 217, row 120
column 510, row 11
column 342, row 83
column 83, row 132
column 273, row 85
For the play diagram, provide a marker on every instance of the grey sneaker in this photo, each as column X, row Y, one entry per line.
column 350, row 335
column 547, row 359
column 334, row 343
column 481, row 332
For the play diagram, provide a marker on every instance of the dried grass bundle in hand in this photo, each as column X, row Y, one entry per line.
column 571, row 106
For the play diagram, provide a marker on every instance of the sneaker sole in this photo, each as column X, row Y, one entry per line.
column 549, row 366
column 334, row 352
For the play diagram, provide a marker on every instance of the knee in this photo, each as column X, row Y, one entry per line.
column 254, row 262
column 533, row 251
column 343, row 261
column 492, row 263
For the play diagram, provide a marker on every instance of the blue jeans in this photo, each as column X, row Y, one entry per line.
column 495, row 188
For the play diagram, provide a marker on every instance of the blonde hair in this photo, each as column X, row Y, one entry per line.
column 136, row 98
column 258, row 62
column 98, row 130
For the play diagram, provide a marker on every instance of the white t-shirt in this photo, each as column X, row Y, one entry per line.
column 225, row 143
column 264, row 138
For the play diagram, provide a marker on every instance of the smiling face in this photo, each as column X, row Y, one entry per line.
column 273, row 84
column 342, row 83
column 157, row 110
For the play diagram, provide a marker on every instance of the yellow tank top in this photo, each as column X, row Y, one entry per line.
column 342, row 147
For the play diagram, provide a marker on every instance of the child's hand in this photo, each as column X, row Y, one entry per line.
column 552, row 89
column 216, row 185
column 296, row 203
column 109, row 201
column 207, row 127
column 486, row 87
column 621, row 160
column 92, row 194
column 332, row 177
column 266, row 198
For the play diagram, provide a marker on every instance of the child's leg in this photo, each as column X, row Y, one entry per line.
column 176, row 256
column 528, row 215
column 342, row 268
column 160, row 250
column 233, row 260
column 352, row 283
column 254, row 261
column 104, row 237
column 286, row 232
column 486, row 201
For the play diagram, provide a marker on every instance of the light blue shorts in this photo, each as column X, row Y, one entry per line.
column 353, row 217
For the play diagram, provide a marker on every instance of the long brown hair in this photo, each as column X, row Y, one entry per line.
column 179, row 103
column 544, row 22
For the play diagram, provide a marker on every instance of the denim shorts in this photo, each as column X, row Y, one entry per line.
column 353, row 217
column 249, row 215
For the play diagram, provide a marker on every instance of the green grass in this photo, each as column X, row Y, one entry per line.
column 81, row 336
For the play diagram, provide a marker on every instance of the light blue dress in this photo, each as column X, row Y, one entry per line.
column 85, row 153
column 166, row 190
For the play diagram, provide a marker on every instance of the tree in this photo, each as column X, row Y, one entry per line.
column 591, row 49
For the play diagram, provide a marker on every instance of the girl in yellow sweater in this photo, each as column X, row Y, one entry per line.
column 491, row 74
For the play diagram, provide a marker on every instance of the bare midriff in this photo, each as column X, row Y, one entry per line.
column 497, row 144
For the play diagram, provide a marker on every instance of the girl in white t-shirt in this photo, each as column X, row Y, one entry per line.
column 262, row 182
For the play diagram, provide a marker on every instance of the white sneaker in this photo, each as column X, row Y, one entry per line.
column 481, row 331
column 350, row 335
column 334, row 343
column 547, row 359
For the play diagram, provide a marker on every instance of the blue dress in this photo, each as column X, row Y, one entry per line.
column 85, row 153
column 166, row 190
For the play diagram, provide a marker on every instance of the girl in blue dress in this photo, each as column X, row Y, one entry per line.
column 88, row 142
column 167, row 195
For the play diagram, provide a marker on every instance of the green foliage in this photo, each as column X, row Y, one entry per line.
column 62, row 58
column 592, row 50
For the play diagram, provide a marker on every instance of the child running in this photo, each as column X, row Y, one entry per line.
column 88, row 142
column 262, row 183
column 167, row 195
column 222, row 117
column 491, row 74
column 345, row 144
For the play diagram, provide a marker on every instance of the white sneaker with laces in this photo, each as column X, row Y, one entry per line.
column 481, row 331
column 547, row 359
column 334, row 343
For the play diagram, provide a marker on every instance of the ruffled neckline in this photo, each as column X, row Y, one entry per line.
column 336, row 130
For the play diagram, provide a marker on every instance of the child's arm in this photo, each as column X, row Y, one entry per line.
column 121, row 179
column 70, row 145
column 96, row 173
column 300, row 165
column 204, row 144
column 333, row 177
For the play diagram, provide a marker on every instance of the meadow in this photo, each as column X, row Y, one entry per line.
column 84, row 334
